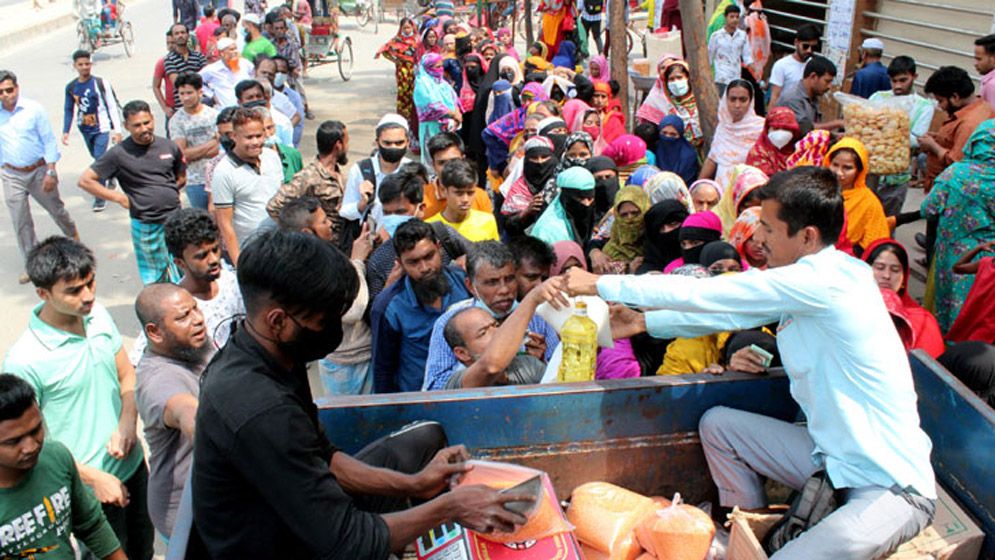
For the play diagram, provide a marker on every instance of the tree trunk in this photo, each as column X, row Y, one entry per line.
column 529, row 33
column 702, row 80
column 619, row 54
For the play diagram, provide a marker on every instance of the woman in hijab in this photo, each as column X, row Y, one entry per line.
column 662, row 243
column 566, row 56
column 578, row 149
column 605, row 183
column 890, row 265
column 641, row 175
column 530, row 194
column 568, row 255
column 498, row 135
column 742, row 238
column 558, row 88
column 556, row 130
column 697, row 230
column 741, row 193
column 570, row 217
column 473, row 74
column 738, row 130
column 598, row 68
column 775, row 145
column 507, row 41
column 612, row 116
column 429, row 42
column 672, row 95
column 625, row 246
column 499, row 102
column 673, row 151
column 705, row 194
column 581, row 117
column 866, row 222
column 508, row 69
column 668, row 186
column 963, row 199
column 436, row 102
column 476, row 120
column 720, row 257
column 400, row 50
column 628, row 152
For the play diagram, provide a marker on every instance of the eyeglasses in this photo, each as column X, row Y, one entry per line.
column 8, row 90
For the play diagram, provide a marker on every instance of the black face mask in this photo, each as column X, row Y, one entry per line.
column 227, row 143
column 313, row 345
column 569, row 162
column 605, row 190
column 473, row 72
column 392, row 155
column 581, row 216
column 692, row 255
column 507, row 75
column 559, row 141
column 538, row 174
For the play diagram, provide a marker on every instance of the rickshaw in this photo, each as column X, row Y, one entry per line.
column 325, row 45
column 106, row 28
column 366, row 11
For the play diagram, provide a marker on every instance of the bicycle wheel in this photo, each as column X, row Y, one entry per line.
column 345, row 59
column 375, row 17
column 127, row 38
column 362, row 15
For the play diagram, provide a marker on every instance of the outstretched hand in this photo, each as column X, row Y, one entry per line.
column 580, row 282
column 551, row 292
column 625, row 322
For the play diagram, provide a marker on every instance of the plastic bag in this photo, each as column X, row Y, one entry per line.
column 605, row 517
column 546, row 520
column 678, row 532
column 883, row 127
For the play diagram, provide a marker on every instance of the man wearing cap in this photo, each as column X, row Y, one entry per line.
column 360, row 198
column 255, row 43
column 873, row 76
column 221, row 76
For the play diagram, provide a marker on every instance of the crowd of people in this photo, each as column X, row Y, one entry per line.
column 500, row 182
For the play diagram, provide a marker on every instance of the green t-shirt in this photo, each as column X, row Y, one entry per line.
column 38, row 515
column 75, row 380
column 262, row 45
column 291, row 159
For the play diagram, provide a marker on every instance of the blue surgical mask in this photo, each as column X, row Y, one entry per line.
column 391, row 222
column 477, row 302
column 279, row 80
column 270, row 141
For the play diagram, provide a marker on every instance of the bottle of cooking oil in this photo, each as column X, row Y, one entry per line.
column 579, row 339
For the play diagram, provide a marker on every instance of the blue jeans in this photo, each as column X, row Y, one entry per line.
column 196, row 196
column 96, row 144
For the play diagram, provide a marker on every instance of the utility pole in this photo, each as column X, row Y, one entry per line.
column 702, row 80
column 529, row 36
column 619, row 54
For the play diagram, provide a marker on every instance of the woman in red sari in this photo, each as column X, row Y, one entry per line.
column 400, row 50
column 976, row 319
column 776, row 143
column 890, row 265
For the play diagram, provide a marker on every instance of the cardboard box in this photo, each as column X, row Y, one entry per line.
column 952, row 536
column 450, row 541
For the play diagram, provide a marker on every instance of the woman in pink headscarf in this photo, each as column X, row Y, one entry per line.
column 507, row 42
column 581, row 117
column 568, row 255
column 697, row 230
column 599, row 69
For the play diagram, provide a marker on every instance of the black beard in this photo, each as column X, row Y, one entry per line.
column 191, row 355
column 427, row 290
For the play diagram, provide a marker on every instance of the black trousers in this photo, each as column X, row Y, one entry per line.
column 132, row 524
column 408, row 450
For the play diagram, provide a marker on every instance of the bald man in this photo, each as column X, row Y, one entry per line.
column 167, row 389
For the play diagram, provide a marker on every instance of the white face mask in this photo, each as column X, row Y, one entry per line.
column 780, row 138
column 679, row 87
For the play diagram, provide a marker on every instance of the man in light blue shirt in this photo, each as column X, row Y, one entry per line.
column 28, row 154
column 847, row 366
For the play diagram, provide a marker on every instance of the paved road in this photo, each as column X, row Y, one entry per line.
column 43, row 68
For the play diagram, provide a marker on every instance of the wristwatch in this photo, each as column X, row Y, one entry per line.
column 51, row 173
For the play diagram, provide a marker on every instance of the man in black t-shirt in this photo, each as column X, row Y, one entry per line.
column 151, row 172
